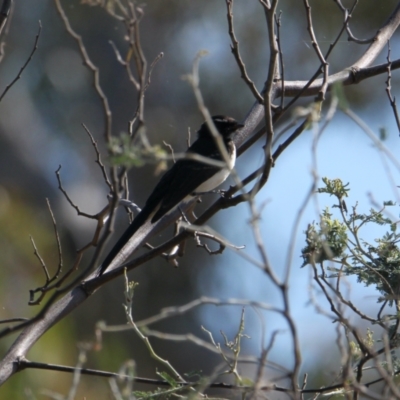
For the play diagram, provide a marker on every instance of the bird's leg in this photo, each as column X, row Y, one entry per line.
column 176, row 251
column 221, row 192
column 179, row 249
column 224, row 193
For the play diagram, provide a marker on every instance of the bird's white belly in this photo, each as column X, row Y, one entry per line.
column 219, row 177
column 214, row 181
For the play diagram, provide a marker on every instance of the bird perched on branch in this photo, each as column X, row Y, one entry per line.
column 203, row 168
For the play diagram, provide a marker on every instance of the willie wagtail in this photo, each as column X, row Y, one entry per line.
column 186, row 178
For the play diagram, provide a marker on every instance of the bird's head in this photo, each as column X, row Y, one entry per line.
column 225, row 126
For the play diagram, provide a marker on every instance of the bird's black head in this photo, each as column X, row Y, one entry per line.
column 225, row 126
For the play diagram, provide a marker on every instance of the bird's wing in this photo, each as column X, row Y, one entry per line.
column 183, row 179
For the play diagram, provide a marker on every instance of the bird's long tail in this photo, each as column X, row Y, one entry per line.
column 116, row 252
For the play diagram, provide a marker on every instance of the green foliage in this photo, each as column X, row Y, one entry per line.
column 174, row 390
column 340, row 242
column 168, row 378
column 325, row 240
column 334, row 187
column 128, row 154
column 355, row 349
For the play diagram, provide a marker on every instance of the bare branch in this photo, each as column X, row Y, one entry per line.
column 35, row 47
column 314, row 42
column 95, row 71
column 64, row 192
column 282, row 67
column 11, row 320
column 392, row 99
column 58, row 241
column 98, row 157
column 42, row 263
column 236, row 53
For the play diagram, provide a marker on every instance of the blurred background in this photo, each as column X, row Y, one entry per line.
column 40, row 129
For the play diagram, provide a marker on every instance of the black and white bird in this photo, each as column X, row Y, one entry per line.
column 187, row 178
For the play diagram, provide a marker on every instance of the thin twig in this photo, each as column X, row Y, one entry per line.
column 152, row 65
column 41, row 261
column 236, row 54
column 35, row 47
column 57, row 236
column 98, row 157
column 11, row 320
column 72, row 204
column 95, row 71
column 392, row 99
column 318, row 71
column 269, row 94
column 347, row 16
column 129, row 289
column 263, row 359
column 314, row 42
column 118, row 56
column 282, row 67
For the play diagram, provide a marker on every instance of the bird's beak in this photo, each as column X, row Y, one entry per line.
column 238, row 126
